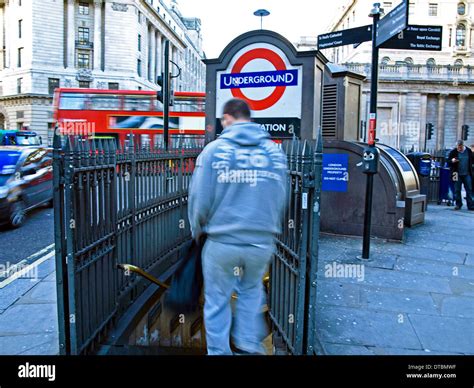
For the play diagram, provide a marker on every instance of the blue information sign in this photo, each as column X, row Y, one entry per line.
column 335, row 172
column 262, row 79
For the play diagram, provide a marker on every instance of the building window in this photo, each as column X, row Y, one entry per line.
column 139, row 17
column 450, row 37
column 20, row 56
column 53, row 83
column 20, row 23
column 139, row 88
column 387, row 5
column 461, row 35
column 139, row 67
column 84, row 84
column 114, row 86
column 431, row 63
column 83, row 8
column 83, row 60
column 433, row 9
column 19, row 84
column 458, row 63
column 461, row 9
column 411, row 9
column 353, row 16
column 139, row 42
column 83, row 35
column 385, row 60
column 409, row 61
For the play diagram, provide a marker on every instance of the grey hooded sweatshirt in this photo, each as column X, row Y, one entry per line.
column 239, row 188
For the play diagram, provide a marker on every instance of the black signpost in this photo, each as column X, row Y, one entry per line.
column 345, row 37
column 389, row 32
column 392, row 24
column 414, row 37
column 422, row 38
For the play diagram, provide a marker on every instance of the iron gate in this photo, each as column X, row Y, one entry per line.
column 114, row 206
column 292, row 298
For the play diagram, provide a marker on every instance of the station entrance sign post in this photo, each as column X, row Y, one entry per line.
column 283, row 86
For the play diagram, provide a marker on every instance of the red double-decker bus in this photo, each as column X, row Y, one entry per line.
column 127, row 114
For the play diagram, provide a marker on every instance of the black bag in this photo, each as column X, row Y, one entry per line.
column 186, row 285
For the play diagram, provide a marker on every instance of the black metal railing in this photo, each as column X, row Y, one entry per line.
column 114, row 206
column 292, row 298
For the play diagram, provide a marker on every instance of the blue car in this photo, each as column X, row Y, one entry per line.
column 26, row 182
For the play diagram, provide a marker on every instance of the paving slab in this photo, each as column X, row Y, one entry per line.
column 434, row 267
column 355, row 327
column 28, row 319
column 445, row 334
column 45, row 292
column 346, row 350
column 458, row 306
column 43, row 343
column 14, row 291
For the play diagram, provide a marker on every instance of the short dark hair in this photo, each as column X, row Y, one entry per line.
column 238, row 109
column 460, row 142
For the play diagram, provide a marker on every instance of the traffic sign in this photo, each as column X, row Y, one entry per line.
column 414, row 37
column 345, row 37
column 393, row 23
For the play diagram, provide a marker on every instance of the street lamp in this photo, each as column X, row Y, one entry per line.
column 261, row 13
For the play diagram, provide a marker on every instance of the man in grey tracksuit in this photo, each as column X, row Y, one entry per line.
column 237, row 198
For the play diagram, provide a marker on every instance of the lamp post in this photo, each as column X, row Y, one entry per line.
column 261, row 13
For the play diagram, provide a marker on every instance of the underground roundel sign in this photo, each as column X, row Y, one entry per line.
column 262, row 75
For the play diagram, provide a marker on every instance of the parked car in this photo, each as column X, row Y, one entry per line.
column 26, row 181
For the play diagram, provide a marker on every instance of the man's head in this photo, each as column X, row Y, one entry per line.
column 460, row 145
column 235, row 111
column 472, row 147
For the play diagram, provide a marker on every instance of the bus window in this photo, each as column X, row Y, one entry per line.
column 137, row 102
column 183, row 104
column 145, row 141
column 103, row 102
column 72, row 101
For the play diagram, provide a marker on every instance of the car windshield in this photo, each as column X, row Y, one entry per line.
column 27, row 140
column 8, row 161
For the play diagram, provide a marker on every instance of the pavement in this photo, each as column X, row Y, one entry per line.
column 412, row 298
column 28, row 311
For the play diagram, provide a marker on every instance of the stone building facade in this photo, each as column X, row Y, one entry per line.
column 416, row 87
column 101, row 44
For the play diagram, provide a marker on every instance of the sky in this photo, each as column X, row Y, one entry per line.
column 224, row 20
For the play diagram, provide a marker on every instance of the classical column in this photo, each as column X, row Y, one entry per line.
column 441, row 121
column 461, row 114
column 423, row 120
column 97, row 34
column 6, row 28
column 158, row 55
column 402, row 125
column 152, row 56
column 71, row 34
